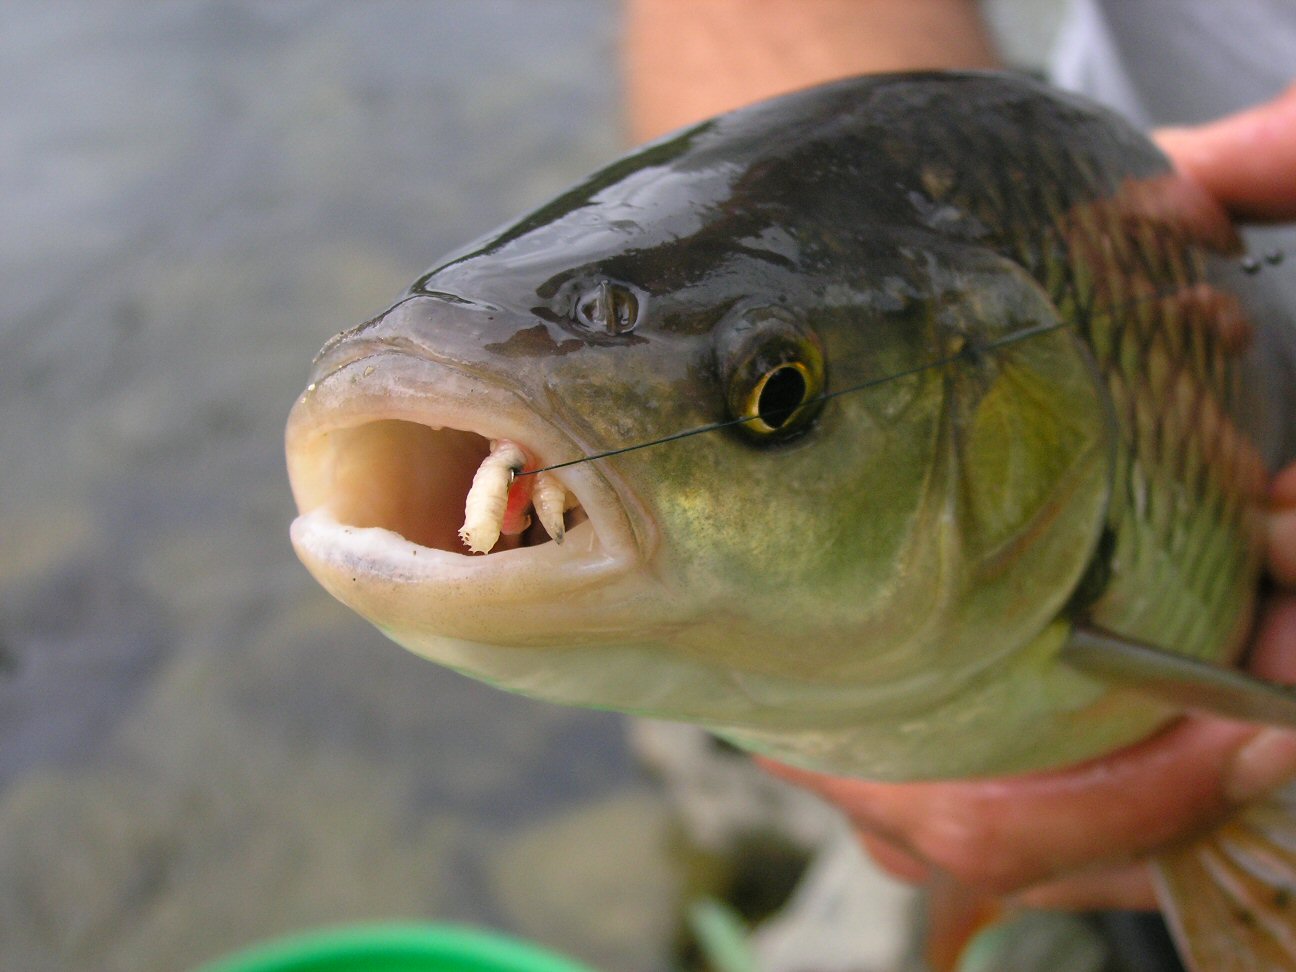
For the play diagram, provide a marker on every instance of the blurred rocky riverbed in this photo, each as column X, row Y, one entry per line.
column 198, row 747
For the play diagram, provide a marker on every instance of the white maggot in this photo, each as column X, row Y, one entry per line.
column 551, row 501
column 488, row 496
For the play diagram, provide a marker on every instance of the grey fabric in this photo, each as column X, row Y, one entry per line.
column 1174, row 62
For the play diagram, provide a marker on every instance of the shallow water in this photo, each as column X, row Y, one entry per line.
column 199, row 748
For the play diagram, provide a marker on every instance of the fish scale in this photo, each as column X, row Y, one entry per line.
column 1184, row 558
column 1186, row 531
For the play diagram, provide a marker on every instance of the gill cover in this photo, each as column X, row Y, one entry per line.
column 1004, row 412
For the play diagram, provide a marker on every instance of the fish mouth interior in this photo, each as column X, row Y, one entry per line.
column 408, row 478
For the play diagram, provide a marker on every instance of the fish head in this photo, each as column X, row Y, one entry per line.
column 795, row 452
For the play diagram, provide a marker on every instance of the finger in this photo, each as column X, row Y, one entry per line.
column 897, row 862
column 1268, row 758
column 1273, row 652
column 1127, row 887
column 1009, row 833
column 1281, row 543
column 1282, row 491
column 1245, row 160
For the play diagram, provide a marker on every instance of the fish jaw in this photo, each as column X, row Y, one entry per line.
column 381, row 452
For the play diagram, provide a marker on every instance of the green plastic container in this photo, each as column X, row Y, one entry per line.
column 395, row 948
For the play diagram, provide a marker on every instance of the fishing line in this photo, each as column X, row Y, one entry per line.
column 1250, row 264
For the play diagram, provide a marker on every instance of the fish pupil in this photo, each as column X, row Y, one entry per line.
column 781, row 394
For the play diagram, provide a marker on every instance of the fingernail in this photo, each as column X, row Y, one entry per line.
column 1262, row 765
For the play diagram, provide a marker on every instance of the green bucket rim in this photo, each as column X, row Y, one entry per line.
column 305, row 951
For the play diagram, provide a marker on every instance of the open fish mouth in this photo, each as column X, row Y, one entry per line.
column 410, row 478
column 420, row 508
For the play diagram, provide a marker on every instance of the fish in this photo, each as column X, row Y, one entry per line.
column 905, row 427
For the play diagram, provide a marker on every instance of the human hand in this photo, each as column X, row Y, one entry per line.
column 1078, row 838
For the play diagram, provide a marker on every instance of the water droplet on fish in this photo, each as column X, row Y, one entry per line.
column 611, row 308
column 1274, row 257
column 1250, row 265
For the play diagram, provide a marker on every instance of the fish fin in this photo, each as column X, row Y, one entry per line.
column 1179, row 681
column 1230, row 899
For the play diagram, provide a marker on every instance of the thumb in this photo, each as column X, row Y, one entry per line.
column 1247, row 161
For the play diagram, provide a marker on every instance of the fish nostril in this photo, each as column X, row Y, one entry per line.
column 610, row 307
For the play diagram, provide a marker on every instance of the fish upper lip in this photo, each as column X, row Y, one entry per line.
column 371, row 384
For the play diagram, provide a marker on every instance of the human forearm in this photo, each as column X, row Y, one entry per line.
column 689, row 59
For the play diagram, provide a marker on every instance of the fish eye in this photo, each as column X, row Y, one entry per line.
column 608, row 308
column 774, row 371
column 777, row 396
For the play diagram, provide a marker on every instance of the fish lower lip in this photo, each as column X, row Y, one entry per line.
column 351, row 561
column 430, row 600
